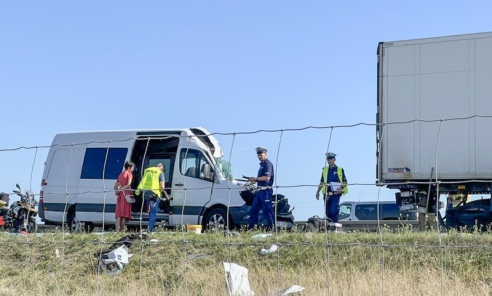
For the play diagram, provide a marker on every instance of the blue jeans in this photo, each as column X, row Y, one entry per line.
column 332, row 207
column 263, row 200
column 153, row 206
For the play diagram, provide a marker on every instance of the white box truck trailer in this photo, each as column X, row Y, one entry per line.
column 434, row 107
column 81, row 168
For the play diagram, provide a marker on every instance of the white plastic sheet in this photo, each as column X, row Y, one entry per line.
column 272, row 249
column 118, row 256
column 262, row 235
column 237, row 280
column 292, row 290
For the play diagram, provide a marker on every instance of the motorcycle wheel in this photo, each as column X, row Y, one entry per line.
column 32, row 226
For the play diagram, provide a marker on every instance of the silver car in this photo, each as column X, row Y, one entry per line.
column 363, row 216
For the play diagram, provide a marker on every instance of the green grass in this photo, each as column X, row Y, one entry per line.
column 191, row 264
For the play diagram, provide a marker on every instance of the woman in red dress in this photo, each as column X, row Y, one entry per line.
column 122, row 187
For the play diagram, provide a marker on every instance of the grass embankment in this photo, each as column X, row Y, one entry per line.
column 191, row 264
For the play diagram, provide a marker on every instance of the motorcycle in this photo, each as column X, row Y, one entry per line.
column 21, row 215
column 280, row 205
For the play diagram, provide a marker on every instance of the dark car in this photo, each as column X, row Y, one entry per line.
column 468, row 215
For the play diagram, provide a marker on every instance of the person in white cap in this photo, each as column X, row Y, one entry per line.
column 263, row 197
column 333, row 184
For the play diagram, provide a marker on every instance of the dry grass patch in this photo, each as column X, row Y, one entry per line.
column 186, row 264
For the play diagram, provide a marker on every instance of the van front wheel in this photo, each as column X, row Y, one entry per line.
column 216, row 219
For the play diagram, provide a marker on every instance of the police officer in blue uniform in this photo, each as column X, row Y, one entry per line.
column 263, row 198
column 333, row 184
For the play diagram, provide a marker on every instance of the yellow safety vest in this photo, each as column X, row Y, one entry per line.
column 150, row 181
column 340, row 179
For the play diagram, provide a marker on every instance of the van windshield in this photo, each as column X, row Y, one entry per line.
column 225, row 168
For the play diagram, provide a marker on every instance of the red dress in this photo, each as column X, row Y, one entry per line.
column 123, row 209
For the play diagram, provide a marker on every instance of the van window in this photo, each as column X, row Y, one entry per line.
column 389, row 211
column 65, row 163
column 345, row 210
column 366, row 212
column 195, row 165
column 95, row 158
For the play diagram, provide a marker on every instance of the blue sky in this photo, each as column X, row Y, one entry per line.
column 229, row 66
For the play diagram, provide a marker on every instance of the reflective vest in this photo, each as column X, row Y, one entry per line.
column 150, row 181
column 340, row 179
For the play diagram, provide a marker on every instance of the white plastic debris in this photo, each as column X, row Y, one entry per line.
column 119, row 256
column 199, row 256
column 261, row 235
column 57, row 253
column 154, row 240
column 114, row 261
column 290, row 290
column 237, row 281
column 228, row 233
column 272, row 249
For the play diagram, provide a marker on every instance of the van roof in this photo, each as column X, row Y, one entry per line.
column 200, row 132
column 139, row 131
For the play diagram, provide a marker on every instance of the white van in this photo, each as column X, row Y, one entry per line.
column 355, row 215
column 81, row 168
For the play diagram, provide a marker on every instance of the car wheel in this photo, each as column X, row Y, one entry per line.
column 216, row 220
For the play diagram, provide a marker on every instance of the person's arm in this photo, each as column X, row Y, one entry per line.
column 116, row 188
column 343, row 183
column 162, row 184
column 267, row 173
column 320, row 186
column 129, row 184
column 262, row 178
column 116, row 185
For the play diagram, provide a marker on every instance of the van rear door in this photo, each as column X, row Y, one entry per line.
column 61, row 182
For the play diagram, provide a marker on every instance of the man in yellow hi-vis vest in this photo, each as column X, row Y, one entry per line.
column 333, row 184
column 152, row 184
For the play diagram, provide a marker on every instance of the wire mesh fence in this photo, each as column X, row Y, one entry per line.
column 77, row 195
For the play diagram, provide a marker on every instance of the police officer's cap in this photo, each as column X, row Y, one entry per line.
column 260, row 150
column 330, row 155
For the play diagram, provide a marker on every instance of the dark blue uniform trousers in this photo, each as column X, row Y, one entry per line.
column 332, row 207
column 263, row 200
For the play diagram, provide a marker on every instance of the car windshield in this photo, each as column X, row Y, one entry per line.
column 344, row 211
column 225, row 168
